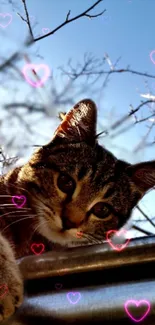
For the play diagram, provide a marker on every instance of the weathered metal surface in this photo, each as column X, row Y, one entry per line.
column 105, row 279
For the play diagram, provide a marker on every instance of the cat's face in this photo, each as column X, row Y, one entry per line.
column 78, row 186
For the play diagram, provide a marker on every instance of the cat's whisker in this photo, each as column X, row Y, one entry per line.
column 11, row 205
column 5, row 195
column 12, row 212
column 16, row 222
column 92, row 238
column 35, row 215
column 7, row 204
column 87, row 237
column 38, row 226
column 18, row 188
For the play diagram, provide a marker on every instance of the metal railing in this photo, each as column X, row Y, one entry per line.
column 100, row 279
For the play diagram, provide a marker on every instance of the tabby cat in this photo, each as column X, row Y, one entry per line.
column 72, row 184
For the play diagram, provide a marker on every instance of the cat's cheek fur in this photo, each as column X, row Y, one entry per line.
column 67, row 237
column 10, row 277
column 53, row 231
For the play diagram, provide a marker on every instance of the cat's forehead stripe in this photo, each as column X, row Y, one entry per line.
column 82, row 172
column 109, row 192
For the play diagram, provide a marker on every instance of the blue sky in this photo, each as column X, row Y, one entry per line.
column 126, row 30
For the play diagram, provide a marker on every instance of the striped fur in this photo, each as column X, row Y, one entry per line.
column 102, row 193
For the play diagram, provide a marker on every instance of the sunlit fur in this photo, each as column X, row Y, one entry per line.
column 99, row 177
column 101, row 174
column 50, row 216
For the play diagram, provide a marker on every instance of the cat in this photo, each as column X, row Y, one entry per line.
column 72, row 184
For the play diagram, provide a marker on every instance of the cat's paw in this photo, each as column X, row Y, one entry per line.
column 11, row 291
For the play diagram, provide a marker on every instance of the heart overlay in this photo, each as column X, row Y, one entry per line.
column 137, row 303
column 5, row 23
column 45, row 30
column 36, row 67
column 37, row 249
column 79, row 234
column 151, row 56
column 58, row 286
column 73, row 297
column 16, row 199
column 117, row 247
column 3, row 290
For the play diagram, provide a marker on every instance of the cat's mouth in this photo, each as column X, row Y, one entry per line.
column 53, row 229
column 69, row 237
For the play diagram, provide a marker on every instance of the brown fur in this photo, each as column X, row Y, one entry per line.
column 53, row 216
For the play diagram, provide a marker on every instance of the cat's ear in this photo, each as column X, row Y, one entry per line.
column 79, row 124
column 143, row 175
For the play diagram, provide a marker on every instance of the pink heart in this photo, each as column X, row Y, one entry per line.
column 45, row 30
column 4, row 290
column 151, row 56
column 79, row 234
column 36, row 67
column 21, row 198
column 8, row 22
column 58, row 286
column 72, row 295
column 137, row 303
column 117, row 247
column 37, row 249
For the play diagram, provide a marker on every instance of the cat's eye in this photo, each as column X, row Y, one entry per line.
column 66, row 183
column 101, row 210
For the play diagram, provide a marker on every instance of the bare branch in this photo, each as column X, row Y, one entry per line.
column 68, row 14
column 142, row 142
column 5, row 161
column 123, row 130
column 142, row 220
column 142, row 230
column 145, row 215
column 67, row 21
column 94, row 16
column 102, row 72
column 145, row 118
column 8, row 62
column 22, row 17
column 149, row 144
column 27, row 19
column 126, row 117
column 30, row 107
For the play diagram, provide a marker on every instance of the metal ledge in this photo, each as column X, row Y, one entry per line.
column 88, row 258
column 105, row 278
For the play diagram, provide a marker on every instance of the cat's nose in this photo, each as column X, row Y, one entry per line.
column 67, row 224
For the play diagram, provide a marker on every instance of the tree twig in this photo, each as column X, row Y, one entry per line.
column 68, row 14
column 142, row 142
column 145, row 215
column 28, row 20
column 126, row 117
column 102, row 72
column 67, row 21
column 142, row 230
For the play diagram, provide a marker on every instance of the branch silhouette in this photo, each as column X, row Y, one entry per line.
column 68, row 21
